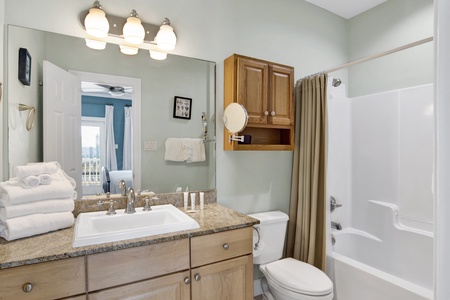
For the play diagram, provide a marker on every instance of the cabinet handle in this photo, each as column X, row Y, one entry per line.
column 27, row 287
column 272, row 113
column 197, row 277
column 187, row 280
column 266, row 113
column 226, row 246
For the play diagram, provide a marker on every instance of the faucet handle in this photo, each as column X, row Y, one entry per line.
column 147, row 205
column 111, row 210
column 333, row 204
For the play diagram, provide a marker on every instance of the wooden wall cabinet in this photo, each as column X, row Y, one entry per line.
column 266, row 90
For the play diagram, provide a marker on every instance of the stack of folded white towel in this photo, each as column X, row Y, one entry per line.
column 185, row 150
column 38, row 200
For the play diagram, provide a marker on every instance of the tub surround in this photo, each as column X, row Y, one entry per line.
column 58, row 244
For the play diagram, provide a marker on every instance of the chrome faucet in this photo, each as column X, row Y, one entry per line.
column 130, row 202
column 123, row 187
column 336, row 225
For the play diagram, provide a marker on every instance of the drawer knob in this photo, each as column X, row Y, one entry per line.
column 266, row 113
column 197, row 277
column 187, row 280
column 272, row 113
column 226, row 246
column 27, row 287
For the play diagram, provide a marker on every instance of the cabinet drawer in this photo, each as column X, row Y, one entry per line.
column 210, row 248
column 48, row 280
column 125, row 266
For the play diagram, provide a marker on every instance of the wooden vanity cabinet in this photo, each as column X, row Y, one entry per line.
column 222, row 265
column 266, row 90
column 51, row 280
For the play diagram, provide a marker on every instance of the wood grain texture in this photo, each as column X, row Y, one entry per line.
column 169, row 287
column 210, row 248
column 228, row 280
column 50, row 280
column 129, row 265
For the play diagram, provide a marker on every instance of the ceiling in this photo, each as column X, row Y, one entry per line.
column 346, row 8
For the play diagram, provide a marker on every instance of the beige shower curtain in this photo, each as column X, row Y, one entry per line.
column 306, row 227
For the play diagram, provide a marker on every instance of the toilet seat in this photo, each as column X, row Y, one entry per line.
column 298, row 277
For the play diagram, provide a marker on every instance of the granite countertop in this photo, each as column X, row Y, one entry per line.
column 58, row 244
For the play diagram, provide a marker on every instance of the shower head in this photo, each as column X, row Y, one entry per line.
column 336, row 82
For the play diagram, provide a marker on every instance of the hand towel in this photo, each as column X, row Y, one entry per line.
column 12, row 193
column 30, row 225
column 197, row 153
column 173, row 150
column 37, row 168
column 39, row 207
column 45, row 179
column 29, row 182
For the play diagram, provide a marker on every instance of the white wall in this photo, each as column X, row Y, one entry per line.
column 390, row 25
column 290, row 32
column 442, row 134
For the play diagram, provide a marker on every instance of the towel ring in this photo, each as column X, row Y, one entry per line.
column 31, row 114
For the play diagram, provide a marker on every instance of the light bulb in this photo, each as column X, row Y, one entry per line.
column 133, row 31
column 128, row 50
column 97, row 45
column 166, row 38
column 96, row 23
column 158, row 55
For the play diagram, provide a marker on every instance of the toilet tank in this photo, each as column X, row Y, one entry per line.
column 272, row 233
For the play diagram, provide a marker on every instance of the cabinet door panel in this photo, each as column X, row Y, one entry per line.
column 252, row 83
column 228, row 280
column 281, row 106
column 170, row 287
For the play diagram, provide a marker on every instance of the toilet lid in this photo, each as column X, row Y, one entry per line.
column 299, row 277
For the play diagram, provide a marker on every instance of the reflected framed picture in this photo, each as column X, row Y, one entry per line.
column 182, row 107
column 24, row 66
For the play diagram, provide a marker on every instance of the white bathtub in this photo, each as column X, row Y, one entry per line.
column 368, row 268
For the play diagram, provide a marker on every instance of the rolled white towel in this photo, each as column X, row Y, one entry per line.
column 39, row 207
column 37, row 168
column 29, row 182
column 45, row 179
column 11, row 193
column 30, row 225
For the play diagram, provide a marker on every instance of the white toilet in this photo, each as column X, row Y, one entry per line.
column 288, row 279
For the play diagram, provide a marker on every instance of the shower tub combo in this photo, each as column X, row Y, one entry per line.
column 394, row 263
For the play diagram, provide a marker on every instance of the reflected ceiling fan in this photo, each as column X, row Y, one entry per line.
column 113, row 90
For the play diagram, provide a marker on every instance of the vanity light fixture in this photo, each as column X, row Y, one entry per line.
column 130, row 34
column 166, row 38
column 128, row 50
column 133, row 31
column 95, row 22
column 158, row 55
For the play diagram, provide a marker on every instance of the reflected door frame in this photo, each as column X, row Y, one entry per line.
column 135, row 83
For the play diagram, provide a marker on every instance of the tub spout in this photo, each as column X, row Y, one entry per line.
column 336, row 225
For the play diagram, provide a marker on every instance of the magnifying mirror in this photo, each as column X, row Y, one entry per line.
column 235, row 119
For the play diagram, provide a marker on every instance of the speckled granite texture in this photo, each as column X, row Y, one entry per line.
column 58, row 245
column 88, row 204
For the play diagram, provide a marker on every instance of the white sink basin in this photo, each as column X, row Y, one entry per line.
column 97, row 227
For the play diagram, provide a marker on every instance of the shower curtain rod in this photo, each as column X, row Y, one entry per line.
column 361, row 60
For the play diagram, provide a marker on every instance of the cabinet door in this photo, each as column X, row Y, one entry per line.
column 252, row 89
column 170, row 287
column 281, row 104
column 228, row 280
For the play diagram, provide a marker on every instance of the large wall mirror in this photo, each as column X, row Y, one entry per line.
column 110, row 78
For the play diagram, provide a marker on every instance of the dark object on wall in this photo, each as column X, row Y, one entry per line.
column 182, row 108
column 24, row 66
column 247, row 139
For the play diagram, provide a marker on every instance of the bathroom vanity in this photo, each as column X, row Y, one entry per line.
column 212, row 262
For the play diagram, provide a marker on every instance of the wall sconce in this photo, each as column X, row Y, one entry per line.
column 131, row 34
